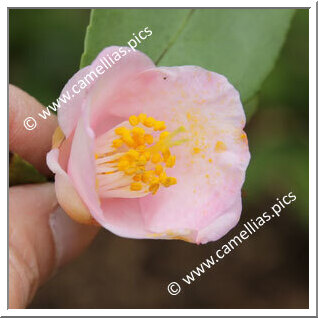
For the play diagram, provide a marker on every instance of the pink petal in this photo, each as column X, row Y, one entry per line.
column 205, row 204
column 121, row 216
column 66, row 194
column 124, row 218
column 69, row 113
column 103, row 86
column 81, row 168
column 222, row 224
column 204, row 191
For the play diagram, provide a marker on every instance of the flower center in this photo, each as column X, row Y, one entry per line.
column 132, row 159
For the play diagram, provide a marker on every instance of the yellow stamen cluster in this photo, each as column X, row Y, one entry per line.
column 145, row 156
column 149, row 122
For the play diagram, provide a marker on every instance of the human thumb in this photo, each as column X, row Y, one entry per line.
column 41, row 239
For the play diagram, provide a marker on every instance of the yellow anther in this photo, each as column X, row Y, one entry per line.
column 142, row 117
column 196, row 150
column 171, row 181
column 153, row 188
column 133, row 120
column 133, row 154
column 140, row 169
column 139, row 141
column 117, row 143
column 121, row 131
column 146, row 176
column 147, row 155
column 130, row 171
column 123, row 165
column 154, row 179
column 148, row 139
column 154, row 185
column 165, row 183
column 138, row 131
column 137, row 177
column 128, row 139
column 164, row 135
column 162, row 177
column 159, row 125
column 149, row 122
column 170, row 161
column 166, row 154
column 220, row 146
column 156, row 158
column 141, row 161
column 158, row 169
column 210, row 160
column 141, row 148
column 138, row 135
column 135, row 186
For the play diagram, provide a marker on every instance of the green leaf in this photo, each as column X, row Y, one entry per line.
column 22, row 172
column 116, row 27
column 242, row 44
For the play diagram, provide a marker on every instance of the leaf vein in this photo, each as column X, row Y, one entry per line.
column 174, row 38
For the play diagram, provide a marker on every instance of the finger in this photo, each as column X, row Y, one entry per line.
column 41, row 239
column 30, row 145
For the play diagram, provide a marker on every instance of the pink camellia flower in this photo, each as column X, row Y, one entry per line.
column 151, row 152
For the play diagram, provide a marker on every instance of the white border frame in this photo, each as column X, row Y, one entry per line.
column 312, row 166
